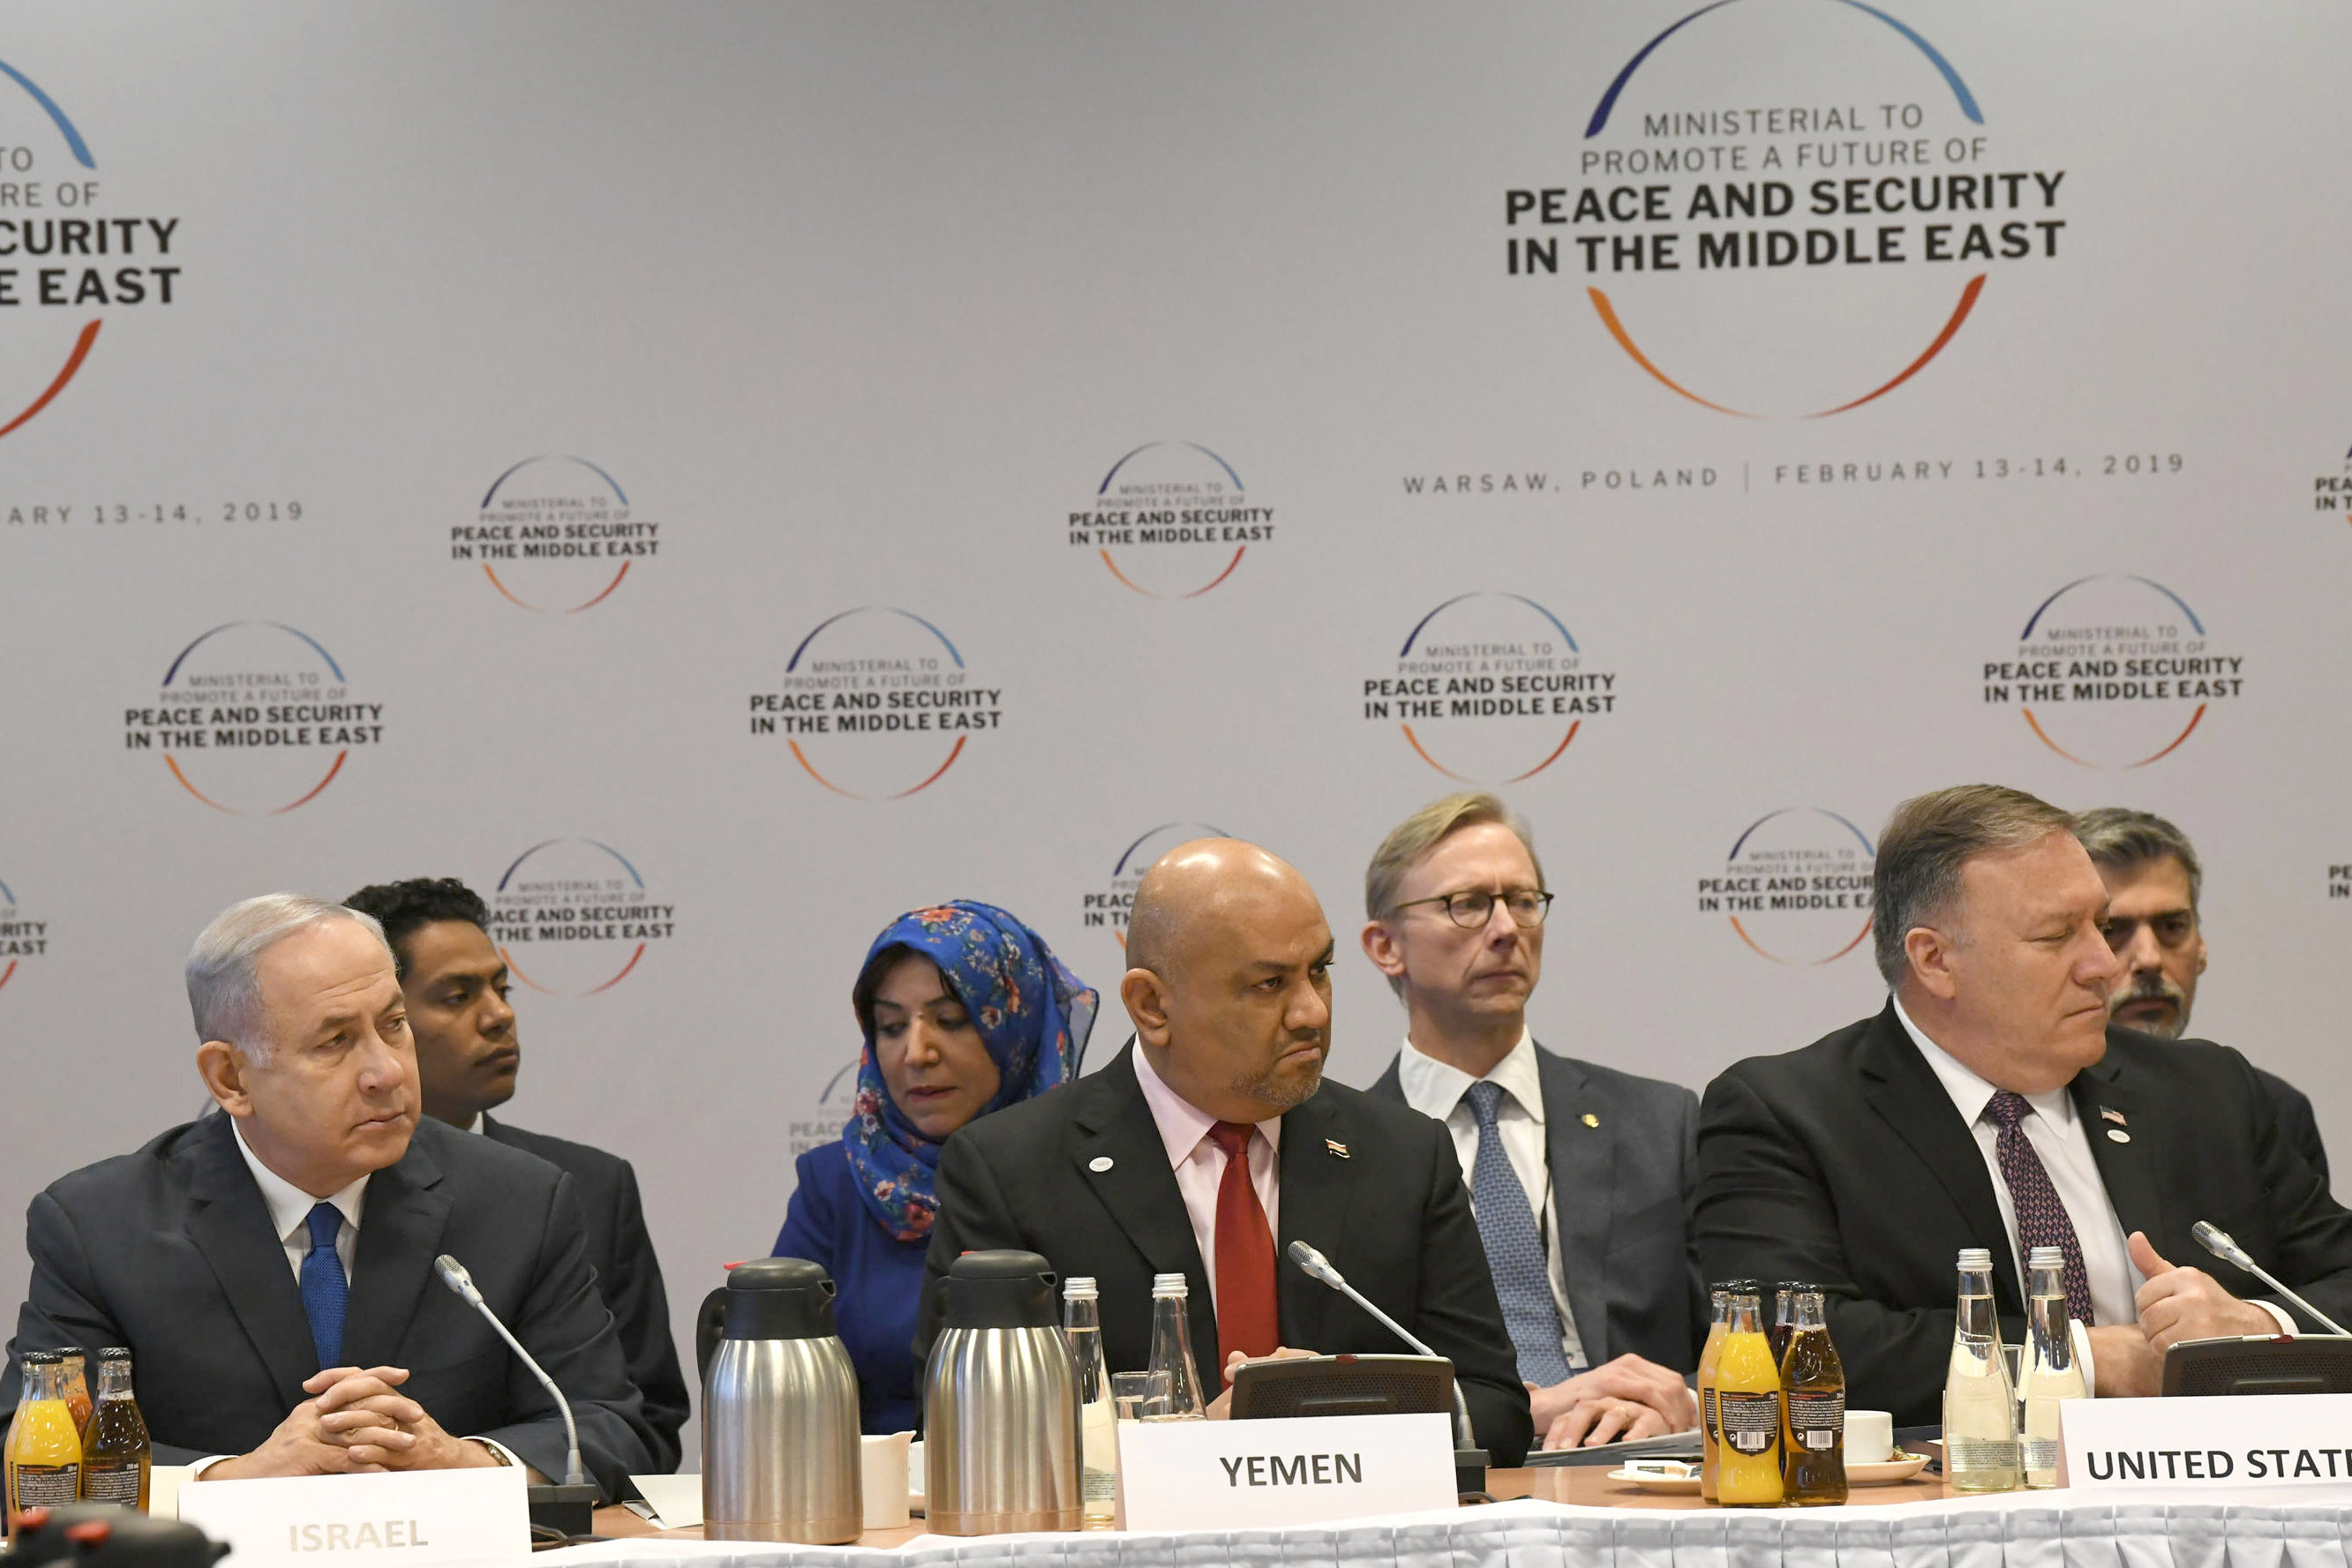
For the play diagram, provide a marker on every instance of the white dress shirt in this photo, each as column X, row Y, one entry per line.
column 1442, row 1092
column 1200, row 1164
column 290, row 1210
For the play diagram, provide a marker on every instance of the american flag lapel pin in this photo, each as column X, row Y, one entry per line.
column 1336, row 1146
column 2112, row 1114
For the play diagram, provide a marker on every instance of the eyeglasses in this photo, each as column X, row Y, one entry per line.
column 1471, row 910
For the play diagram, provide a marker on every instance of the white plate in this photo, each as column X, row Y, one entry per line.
column 1654, row 1480
column 1901, row 1468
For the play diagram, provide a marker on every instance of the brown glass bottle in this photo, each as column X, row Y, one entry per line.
column 117, row 1457
column 1813, row 1381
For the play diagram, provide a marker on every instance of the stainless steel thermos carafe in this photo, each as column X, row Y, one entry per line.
column 1000, row 1403
column 780, row 1458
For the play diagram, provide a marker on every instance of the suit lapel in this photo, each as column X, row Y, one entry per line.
column 1121, row 1159
column 1905, row 1091
column 1583, row 1162
column 400, row 1233
column 1316, row 1195
column 230, row 1225
column 2123, row 1167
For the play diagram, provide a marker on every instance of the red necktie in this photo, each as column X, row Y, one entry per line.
column 1248, row 1319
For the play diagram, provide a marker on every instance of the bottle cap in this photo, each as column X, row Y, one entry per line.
column 1169, row 1285
column 2045, row 1258
column 115, row 1353
column 1735, row 1287
column 42, row 1357
column 1976, row 1258
column 1079, row 1288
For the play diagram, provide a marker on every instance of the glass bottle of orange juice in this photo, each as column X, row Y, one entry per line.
column 1720, row 1298
column 1748, row 1411
column 43, row 1458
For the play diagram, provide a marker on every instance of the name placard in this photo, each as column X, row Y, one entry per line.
column 2233, row 1440
column 425, row 1517
column 1220, row 1475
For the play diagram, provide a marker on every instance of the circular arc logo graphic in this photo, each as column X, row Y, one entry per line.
column 1467, row 694
column 567, row 505
column 1798, row 874
column 1203, row 494
column 80, row 149
column 2130, row 659
column 285, row 717
column 612, row 904
column 804, row 652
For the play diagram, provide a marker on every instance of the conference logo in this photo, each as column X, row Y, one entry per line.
column 21, row 936
column 1488, row 688
column 822, row 1116
column 70, row 256
column 1171, row 520
column 555, row 535
column 1795, row 886
column 1785, row 210
column 1109, row 903
column 2114, row 671
column 574, row 917
column 877, row 704
column 255, row 717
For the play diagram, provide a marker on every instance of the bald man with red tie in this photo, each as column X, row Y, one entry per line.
column 1214, row 1140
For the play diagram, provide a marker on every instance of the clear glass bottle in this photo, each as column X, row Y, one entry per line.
column 118, row 1457
column 1748, row 1409
column 1784, row 1317
column 1979, row 1407
column 2053, row 1373
column 1098, row 1423
column 1813, row 1390
column 43, row 1457
column 1709, row 1358
column 1171, row 1352
column 77, row 1386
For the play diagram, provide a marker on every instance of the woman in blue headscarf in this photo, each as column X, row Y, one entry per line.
column 965, row 1010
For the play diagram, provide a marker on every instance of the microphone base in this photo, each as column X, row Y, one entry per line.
column 570, row 1509
column 1469, row 1470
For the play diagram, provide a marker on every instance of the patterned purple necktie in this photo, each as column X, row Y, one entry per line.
column 2041, row 1219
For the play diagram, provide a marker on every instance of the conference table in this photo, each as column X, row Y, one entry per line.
column 1578, row 1518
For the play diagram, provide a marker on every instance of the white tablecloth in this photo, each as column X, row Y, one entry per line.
column 2276, row 1528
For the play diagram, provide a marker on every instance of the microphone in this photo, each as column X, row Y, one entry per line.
column 453, row 1274
column 2218, row 1241
column 1318, row 1267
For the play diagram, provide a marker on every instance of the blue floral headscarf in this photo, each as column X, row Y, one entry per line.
column 1033, row 1014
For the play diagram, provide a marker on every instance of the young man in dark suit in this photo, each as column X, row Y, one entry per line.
column 1213, row 1143
column 1579, row 1173
column 271, row 1267
column 1992, row 1105
column 469, row 1055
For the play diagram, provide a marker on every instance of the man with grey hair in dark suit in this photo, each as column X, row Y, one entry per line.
column 1579, row 1173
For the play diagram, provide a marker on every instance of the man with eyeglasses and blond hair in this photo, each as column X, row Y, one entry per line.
column 1579, row 1173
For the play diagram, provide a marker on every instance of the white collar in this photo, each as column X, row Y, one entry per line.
column 1970, row 1092
column 289, row 1206
column 1434, row 1088
column 1181, row 1124
column 475, row 1126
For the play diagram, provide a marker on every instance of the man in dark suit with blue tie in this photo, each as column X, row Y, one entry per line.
column 271, row 1266
column 1579, row 1172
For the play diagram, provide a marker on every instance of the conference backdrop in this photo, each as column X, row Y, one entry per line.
column 716, row 476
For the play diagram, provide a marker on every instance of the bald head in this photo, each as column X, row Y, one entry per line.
column 1229, row 983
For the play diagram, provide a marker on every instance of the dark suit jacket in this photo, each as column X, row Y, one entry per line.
column 170, row 1251
column 1391, row 1215
column 1622, row 1191
column 628, row 1275
column 2296, row 1124
column 1846, row 1162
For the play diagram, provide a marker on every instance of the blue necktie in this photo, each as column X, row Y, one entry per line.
column 1514, row 1252
column 325, row 1291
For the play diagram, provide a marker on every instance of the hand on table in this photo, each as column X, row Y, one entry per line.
column 1221, row 1406
column 356, row 1421
column 1627, row 1397
column 2187, row 1303
column 2126, row 1364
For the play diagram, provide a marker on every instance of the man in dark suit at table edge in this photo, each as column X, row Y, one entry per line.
column 1991, row 1104
column 271, row 1266
column 468, row 1054
column 1216, row 1134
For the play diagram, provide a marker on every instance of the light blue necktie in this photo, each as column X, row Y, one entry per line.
column 1514, row 1250
column 325, row 1291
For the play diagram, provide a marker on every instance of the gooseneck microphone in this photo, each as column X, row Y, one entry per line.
column 453, row 1274
column 2218, row 1241
column 1318, row 1267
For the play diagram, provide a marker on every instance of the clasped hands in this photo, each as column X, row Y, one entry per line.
column 2175, row 1304
column 355, row 1421
column 1625, row 1398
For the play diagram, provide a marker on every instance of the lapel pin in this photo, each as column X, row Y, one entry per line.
column 1590, row 1120
column 2117, row 1136
column 2112, row 1114
column 1100, row 1163
column 1336, row 1146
